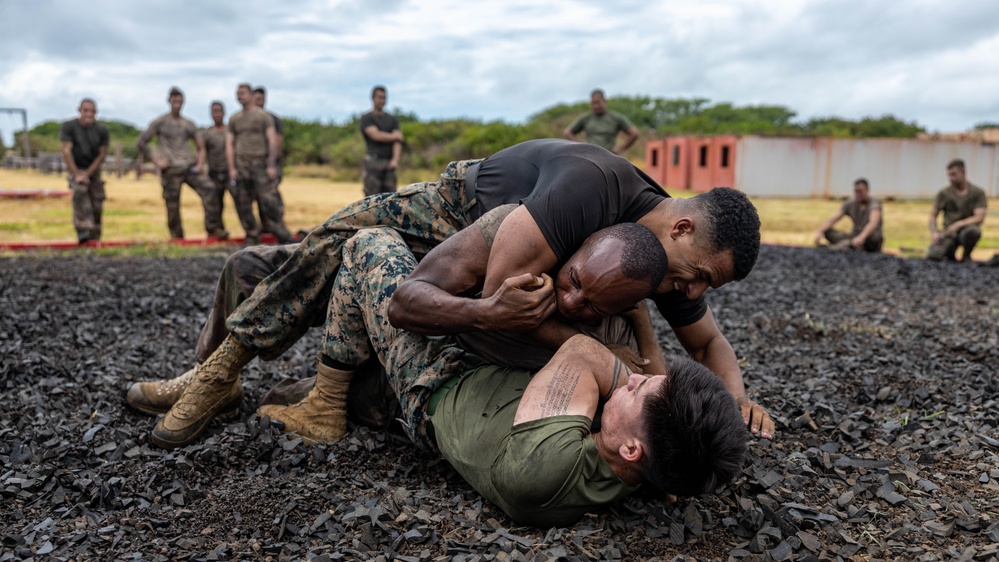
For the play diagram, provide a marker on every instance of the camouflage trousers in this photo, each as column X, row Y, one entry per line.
column 172, row 181
column 254, row 185
column 88, row 206
column 283, row 306
column 377, row 177
column 375, row 262
column 946, row 248
column 872, row 244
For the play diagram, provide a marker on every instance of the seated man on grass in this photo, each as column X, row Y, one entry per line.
column 527, row 443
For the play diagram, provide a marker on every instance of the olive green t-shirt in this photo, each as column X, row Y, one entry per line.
column 214, row 140
column 175, row 136
column 249, row 128
column 957, row 207
column 861, row 214
column 601, row 130
column 544, row 472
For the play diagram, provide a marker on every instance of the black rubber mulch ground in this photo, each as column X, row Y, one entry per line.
column 883, row 374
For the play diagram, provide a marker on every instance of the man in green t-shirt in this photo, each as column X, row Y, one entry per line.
column 602, row 126
column 866, row 215
column 963, row 206
column 526, row 443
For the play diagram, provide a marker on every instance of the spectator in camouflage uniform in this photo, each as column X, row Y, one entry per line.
column 179, row 165
column 213, row 144
column 383, row 145
column 84, row 147
column 866, row 215
column 260, row 99
column 963, row 205
column 251, row 152
column 602, row 126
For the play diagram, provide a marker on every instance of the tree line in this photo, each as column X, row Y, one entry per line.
column 431, row 144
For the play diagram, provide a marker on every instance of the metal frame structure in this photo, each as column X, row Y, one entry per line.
column 24, row 120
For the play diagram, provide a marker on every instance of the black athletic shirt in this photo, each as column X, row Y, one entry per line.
column 572, row 190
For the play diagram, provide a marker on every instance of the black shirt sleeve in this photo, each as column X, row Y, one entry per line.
column 678, row 310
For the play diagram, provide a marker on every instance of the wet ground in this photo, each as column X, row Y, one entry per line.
column 883, row 374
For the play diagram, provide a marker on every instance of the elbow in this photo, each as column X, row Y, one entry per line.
column 396, row 317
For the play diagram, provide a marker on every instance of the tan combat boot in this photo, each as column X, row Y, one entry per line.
column 320, row 416
column 215, row 391
column 157, row 397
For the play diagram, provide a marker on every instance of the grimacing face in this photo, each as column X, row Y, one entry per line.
column 88, row 114
column 693, row 268
column 590, row 286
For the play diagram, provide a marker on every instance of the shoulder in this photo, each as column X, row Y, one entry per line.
column 541, row 458
column 101, row 128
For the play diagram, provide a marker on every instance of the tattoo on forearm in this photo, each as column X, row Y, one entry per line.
column 619, row 371
column 560, row 390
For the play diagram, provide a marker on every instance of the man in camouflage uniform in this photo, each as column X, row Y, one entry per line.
column 260, row 99
column 866, row 215
column 179, row 165
column 84, row 147
column 963, row 205
column 383, row 145
column 251, row 152
column 213, row 141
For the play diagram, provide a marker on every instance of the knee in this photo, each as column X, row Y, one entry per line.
column 970, row 235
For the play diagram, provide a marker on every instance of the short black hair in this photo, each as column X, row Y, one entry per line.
column 377, row 89
column 218, row 103
column 245, row 85
column 734, row 225
column 598, row 91
column 643, row 257
column 88, row 100
column 260, row 90
column 956, row 163
column 859, row 181
column 175, row 91
column 695, row 437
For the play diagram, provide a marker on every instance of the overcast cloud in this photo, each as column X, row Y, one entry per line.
column 933, row 62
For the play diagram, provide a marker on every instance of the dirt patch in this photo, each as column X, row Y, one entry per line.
column 883, row 374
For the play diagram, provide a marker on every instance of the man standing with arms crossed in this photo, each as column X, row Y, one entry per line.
column 251, row 151
column 383, row 140
column 84, row 147
column 602, row 126
column 178, row 164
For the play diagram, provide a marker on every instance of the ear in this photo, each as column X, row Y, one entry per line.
column 683, row 225
column 632, row 451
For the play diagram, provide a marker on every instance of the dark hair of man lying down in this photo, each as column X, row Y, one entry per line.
column 734, row 226
column 694, row 433
column 642, row 256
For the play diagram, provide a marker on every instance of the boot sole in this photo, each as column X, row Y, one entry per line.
column 228, row 414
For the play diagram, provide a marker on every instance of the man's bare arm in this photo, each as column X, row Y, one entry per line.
column 519, row 247
column 580, row 374
column 630, row 136
column 430, row 301
column 378, row 135
column 705, row 344
column 230, row 154
column 872, row 224
column 102, row 153
column 820, row 233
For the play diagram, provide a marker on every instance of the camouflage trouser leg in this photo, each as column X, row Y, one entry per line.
column 836, row 236
column 375, row 262
column 245, row 195
column 377, row 177
column 88, row 206
column 278, row 313
column 271, row 206
column 241, row 274
column 946, row 248
column 205, row 189
column 171, row 183
column 215, row 201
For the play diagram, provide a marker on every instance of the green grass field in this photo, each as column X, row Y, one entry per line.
column 134, row 210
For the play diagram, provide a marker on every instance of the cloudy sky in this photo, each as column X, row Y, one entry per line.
column 933, row 62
